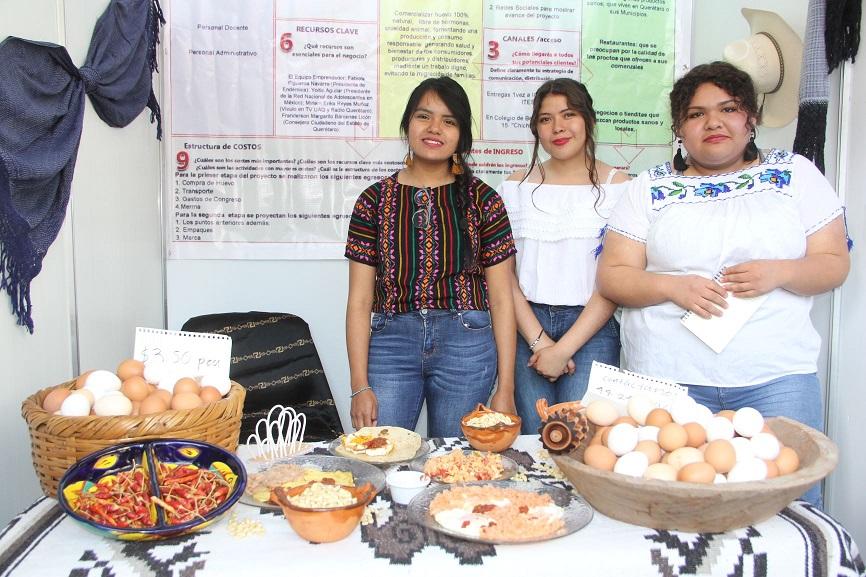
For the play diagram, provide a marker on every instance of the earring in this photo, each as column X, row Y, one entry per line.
column 456, row 167
column 680, row 162
column 408, row 160
column 750, row 153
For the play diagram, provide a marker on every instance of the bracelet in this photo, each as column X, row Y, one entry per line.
column 359, row 391
column 535, row 342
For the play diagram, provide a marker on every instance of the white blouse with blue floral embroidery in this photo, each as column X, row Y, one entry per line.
column 700, row 224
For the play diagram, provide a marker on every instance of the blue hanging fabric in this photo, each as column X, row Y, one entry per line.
column 41, row 114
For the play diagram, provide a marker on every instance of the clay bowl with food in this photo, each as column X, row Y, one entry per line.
column 126, row 491
column 489, row 430
column 316, row 522
column 698, row 507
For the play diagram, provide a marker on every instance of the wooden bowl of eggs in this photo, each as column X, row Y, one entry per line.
column 681, row 490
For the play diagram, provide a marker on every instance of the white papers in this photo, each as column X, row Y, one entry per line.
column 717, row 332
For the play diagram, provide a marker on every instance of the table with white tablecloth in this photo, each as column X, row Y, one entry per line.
column 800, row 540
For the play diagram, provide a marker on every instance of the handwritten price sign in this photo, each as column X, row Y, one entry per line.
column 618, row 386
column 184, row 353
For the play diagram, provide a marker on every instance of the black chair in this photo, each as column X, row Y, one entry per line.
column 275, row 359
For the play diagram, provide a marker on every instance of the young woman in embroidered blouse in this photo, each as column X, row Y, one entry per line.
column 558, row 210
column 771, row 222
column 431, row 256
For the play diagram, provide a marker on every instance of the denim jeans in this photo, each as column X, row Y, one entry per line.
column 530, row 386
column 447, row 358
column 797, row 397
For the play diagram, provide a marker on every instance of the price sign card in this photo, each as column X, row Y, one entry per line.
column 618, row 386
column 183, row 353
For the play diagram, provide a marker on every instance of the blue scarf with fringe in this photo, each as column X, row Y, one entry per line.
column 41, row 113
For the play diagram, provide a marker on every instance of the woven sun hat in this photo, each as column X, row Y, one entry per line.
column 772, row 56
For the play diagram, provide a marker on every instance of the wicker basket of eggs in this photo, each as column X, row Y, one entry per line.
column 102, row 408
column 689, row 470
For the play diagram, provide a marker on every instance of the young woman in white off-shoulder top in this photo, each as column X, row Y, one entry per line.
column 558, row 211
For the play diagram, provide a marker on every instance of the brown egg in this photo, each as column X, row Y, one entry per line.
column 209, row 395
column 186, row 385
column 164, row 395
column 658, row 418
column 697, row 435
column 153, row 403
column 788, row 461
column 672, row 436
column 79, row 382
column 772, row 469
column 599, row 457
column 185, row 401
column 136, row 407
column 721, row 455
column 651, row 449
column 696, row 473
column 52, row 401
column 727, row 413
column 135, row 388
column 130, row 368
column 626, row 419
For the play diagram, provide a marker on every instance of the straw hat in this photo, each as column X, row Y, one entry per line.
column 772, row 56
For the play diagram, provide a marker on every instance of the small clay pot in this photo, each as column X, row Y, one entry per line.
column 494, row 439
column 323, row 525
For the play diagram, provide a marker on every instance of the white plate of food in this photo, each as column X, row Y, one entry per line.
column 295, row 471
column 465, row 465
column 500, row 512
column 380, row 445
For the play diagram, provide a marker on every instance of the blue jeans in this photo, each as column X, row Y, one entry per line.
column 530, row 386
column 797, row 397
column 447, row 358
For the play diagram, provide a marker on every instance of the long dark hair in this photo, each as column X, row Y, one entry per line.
column 454, row 97
column 578, row 99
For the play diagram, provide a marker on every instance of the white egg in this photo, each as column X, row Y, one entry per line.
column 748, row 422
column 742, row 448
column 153, row 372
column 221, row 384
column 753, row 469
column 100, row 382
column 683, row 410
column 639, row 407
column 703, row 415
column 112, row 404
column 632, row 464
column 648, row 433
column 75, row 405
column 719, row 428
column 621, row 439
column 765, row 446
column 601, row 412
column 660, row 472
column 719, row 478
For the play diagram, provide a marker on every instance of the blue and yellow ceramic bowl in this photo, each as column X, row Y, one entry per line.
column 108, row 470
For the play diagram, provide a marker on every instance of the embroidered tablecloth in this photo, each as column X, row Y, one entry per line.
column 800, row 540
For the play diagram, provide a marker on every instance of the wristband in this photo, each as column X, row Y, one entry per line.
column 535, row 342
column 359, row 391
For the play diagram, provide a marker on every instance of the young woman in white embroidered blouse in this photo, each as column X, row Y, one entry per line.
column 558, row 210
